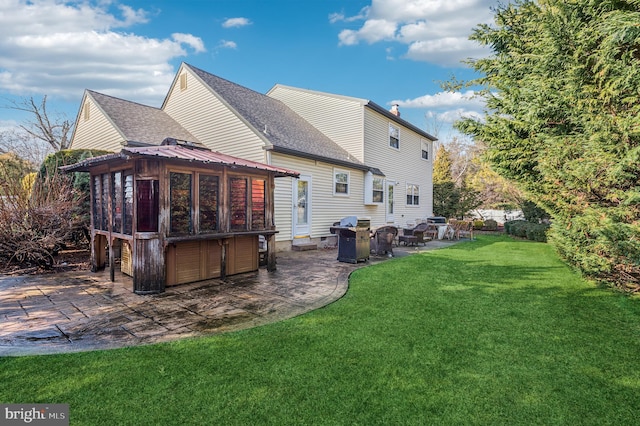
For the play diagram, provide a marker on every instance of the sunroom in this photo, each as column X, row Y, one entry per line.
column 179, row 213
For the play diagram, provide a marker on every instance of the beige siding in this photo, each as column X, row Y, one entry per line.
column 326, row 208
column 338, row 117
column 283, row 202
column 96, row 132
column 199, row 111
column 403, row 165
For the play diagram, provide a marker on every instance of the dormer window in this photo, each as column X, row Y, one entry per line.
column 394, row 136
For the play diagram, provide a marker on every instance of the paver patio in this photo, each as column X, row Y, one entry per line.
column 79, row 311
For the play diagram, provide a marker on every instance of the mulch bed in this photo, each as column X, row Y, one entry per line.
column 73, row 259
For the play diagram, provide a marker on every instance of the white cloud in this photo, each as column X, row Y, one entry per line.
column 132, row 16
column 228, row 44
column 454, row 115
column 236, row 22
column 442, row 99
column 447, row 107
column 190, row 40
column 434, row 31
column 8, row 125
column 448, row 51
column 338, row 17
column 60, row 48
column 372, row 31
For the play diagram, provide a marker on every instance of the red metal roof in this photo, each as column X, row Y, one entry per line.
column 178, row 152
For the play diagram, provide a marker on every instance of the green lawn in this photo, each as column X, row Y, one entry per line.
column 493, row 331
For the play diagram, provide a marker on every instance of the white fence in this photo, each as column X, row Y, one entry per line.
column 500, row 216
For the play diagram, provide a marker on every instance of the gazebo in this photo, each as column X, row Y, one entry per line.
column 178, row 213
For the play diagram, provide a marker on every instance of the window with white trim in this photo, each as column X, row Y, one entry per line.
column 394, row 136
column 413, row 194
column 424, row 147
column 378, row 189
column 340, row 182
column 373, row 188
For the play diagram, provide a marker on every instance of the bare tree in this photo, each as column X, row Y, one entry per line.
column 23, row 145
column 462, row 152
column 433, row 123
column 54, row 130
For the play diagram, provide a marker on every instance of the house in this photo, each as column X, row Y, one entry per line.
column 398, row 187
column 178, row 213
column 355, row 158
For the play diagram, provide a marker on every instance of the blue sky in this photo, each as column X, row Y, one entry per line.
column 387, row 51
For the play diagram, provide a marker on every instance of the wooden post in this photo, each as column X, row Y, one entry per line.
column 271, row 252
column 112, row 261
column 148, row 265
column 223, row 259
column 94, row 250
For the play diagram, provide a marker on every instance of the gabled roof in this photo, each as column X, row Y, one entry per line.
column 190, row 154
column 140, row 124
column 364, row 102
column 276, row 123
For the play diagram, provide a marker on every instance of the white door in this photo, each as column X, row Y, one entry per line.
column 389, row 209
column 302, row 207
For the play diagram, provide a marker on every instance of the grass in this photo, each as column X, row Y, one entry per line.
column 493, row 331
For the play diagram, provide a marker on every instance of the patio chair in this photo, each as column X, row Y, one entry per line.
column 419, row 234
column 455, row 225
column 432, row 231
column 382, row 240
column 466, row 228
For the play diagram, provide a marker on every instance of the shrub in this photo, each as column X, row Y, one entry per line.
column 490, row 225
column 537, row 232
column 80, row 183
column 478, row 224
column 519, row 228
column 40, row 216
column 34, row 227
column 528, row 230
column 534, row 213
column 28, row 181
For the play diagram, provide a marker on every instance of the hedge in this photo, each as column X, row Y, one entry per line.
column 529, row 230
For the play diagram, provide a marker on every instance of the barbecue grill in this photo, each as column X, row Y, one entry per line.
column 353, row 239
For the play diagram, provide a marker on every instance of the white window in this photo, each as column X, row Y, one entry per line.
column 378, row 190
column 394, row 136
column 425, row 149
column 373, row 189
column 413, row 195
column 340, row 182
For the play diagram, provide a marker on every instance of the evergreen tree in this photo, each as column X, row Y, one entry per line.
column 451, row 199
column 445, row 194
column 442, row 166
column 563, row 121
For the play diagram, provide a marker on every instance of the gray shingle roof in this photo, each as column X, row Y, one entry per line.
column 140, row 123
column 283, row 128
column 179, row 153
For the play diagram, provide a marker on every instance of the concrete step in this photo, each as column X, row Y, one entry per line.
column 303, row 244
